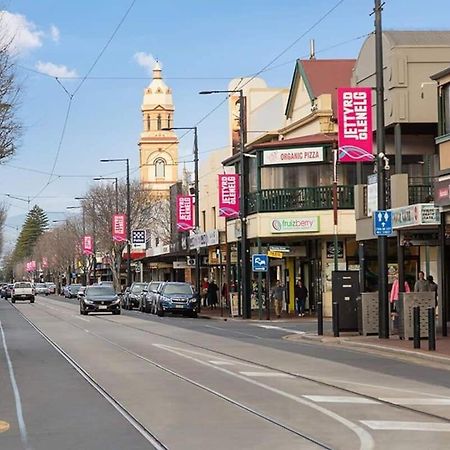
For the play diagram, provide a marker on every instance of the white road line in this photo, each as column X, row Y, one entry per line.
column 418, row 401
column 406, row 426
column 341, row 399
column 365, row 438
column 81, row 318
column 222, row 363
column 266, row 374
column 273, row 327
column 234, row 331
column 19, row 411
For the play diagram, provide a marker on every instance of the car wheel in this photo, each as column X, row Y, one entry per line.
column 116, row 313
column 193, row 314
column 13, row 300
column 32, row 300
column 160, row 312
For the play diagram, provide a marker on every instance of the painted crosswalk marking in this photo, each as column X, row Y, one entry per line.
column 406, row 426
column 222, row 363
column 341, row 399
column 288, row 330
column 418, row 401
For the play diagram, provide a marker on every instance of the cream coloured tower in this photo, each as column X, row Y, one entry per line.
column 158, row 148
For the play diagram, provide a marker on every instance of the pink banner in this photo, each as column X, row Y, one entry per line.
column 87, row 245
column 119, row 227
column 355, row 124
column 185, row 213
column 229, row 195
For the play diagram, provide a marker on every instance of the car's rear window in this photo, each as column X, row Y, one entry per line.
column 22, row 285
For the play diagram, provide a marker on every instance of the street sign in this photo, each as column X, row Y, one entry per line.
column 279, row 248
column 272, row 254
column 382, row 223
column 138, row 239
column 260, row 263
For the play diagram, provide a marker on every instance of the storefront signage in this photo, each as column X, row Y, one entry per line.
column 87, row 245
column 295, row 225
column 415, row 215
column 272, row 254
column 180, row 264
column 199, row 240
column 185, row 212
column 330, row 249
column 442, row 192
column 372, row 194
column 279, row 248
column 229, row 195
column 355, row 124
column 292, row 156
column 119, row 227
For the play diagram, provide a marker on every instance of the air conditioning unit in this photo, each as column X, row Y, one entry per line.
column 190, row 261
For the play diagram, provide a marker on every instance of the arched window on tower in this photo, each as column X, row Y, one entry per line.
column 159, row 121
column 169, row 120
column 160, row 168
column 148, row 122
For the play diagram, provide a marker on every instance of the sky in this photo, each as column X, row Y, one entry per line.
column 202, row 44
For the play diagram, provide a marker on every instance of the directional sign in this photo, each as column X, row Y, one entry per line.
column 272, row 254
column 382, row 223
column 260, row 263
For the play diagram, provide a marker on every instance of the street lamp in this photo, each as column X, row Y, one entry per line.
column 83, row 222
column 245, row 254
column 197, row 205
column 128, row 214
column 116, row 188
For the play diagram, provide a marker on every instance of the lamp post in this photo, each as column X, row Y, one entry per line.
column 83, row 224
column 245, row 253
column 128, row 214
column 115, row 179
column 88, row 270
column 197, row 206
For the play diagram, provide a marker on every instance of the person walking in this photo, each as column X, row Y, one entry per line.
column 277, row 297
column 422, row 285
column 212, row 294
column 301, row 294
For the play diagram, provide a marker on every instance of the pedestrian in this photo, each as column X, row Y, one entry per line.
column 301, row 294
column 204, row 292
column 277, row 297
column 225, row 293
column 422, row 285
column 433, row 288
column 212, row 294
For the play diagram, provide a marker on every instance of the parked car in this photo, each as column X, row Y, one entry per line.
column 99, row 299
column 177, row 298
column 22, row 290
column 6, row 290
column 148, row 297
column 51, row 288
column 41, row 289
column 71, row 290
column 132, row 296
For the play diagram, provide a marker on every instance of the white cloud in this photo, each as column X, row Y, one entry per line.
column 55, row 71
column 54, row 33
column 22, row 34
column 145, row 60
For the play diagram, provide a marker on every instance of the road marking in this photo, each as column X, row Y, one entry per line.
column 341, row 399
column 19, row 411
column 365, row 438
column 406, row 426
column 4, row 426
column 234, row 331
column 222, row 363
column 273, row 327
column 418, row 401
column 266, row 374
column 81, row 318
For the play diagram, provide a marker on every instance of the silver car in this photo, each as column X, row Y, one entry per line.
column 148, row 297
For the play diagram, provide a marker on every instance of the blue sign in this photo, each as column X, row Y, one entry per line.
column 260, row 263
column 382, row 223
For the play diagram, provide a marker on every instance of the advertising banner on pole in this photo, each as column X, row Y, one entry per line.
column 119, row 227
column 185, row 213
column 88, row 245
column 229, row 195
column 355, row 124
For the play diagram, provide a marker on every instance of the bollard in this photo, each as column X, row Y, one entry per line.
column 319, row 319
column 336, row 319
column 416, row 326
column 431, row 329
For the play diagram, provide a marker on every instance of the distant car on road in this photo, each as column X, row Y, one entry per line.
column 99, row 299
column 51, row 288
column 22, row 290
column 6, row 290
column 41, row 289
column 71, row 290
column 132, row 296
column 148, row 298
column 178, row 298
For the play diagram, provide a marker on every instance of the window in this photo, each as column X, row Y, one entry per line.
column 445, row 109
column 169, row 121
column 214, row 217
column 160, row 168
column 204, row 220
column 158, row 121
column 148, row 122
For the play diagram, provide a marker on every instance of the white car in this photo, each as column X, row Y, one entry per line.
column 22, row 290
column 41, row 289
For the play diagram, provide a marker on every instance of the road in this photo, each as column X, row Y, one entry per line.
column 142, row 381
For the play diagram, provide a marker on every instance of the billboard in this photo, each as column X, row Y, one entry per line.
column 229, row 195
column 185, row 212
column 119, row 227
column 355, row 124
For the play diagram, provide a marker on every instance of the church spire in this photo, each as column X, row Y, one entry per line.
column 157, row 75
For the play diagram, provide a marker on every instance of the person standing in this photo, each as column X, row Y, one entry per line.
column 212, row 294
column 277, row 297
column 204, row 292
column 301, row 294
column 421, row 284
column 433, row 288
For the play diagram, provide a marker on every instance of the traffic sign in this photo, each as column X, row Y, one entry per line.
column 382, row 223
column 272, row 254
column 260, row 263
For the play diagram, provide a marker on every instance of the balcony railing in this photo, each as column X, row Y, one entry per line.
column 300, row 199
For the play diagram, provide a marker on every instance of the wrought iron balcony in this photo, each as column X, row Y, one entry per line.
column 300, row 199
column 421, row 193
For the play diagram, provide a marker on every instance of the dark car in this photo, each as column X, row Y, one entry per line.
column 178, row 298
column 71, row 290
column 148, row 298
column 99, row 299
column 132, row 296
column 6, row 290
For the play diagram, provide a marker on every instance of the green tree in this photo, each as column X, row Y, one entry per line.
column 35, row 224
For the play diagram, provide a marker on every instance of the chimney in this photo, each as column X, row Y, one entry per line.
column 312, row 49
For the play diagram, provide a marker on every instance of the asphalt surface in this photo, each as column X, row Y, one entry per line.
column 60, row 410
column 201, row 384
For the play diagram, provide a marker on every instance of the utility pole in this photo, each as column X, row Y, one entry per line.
column 197, row 218
column 128, row 226
column 380, row 135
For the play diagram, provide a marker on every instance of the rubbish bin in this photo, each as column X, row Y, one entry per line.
column 345, row 292
column 368, row 313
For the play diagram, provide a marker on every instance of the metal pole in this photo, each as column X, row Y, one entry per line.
column 267, row 291
column 220, row 281
column 245, row 275
column 444, row 282
column 416, row 326
column 431, row 329
column 117, row 196
column 336, row 319
column 319, row 319
column 197, row 218
column 83, row 221
column 128, row 226
column 380, row 135
column 335, row 210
